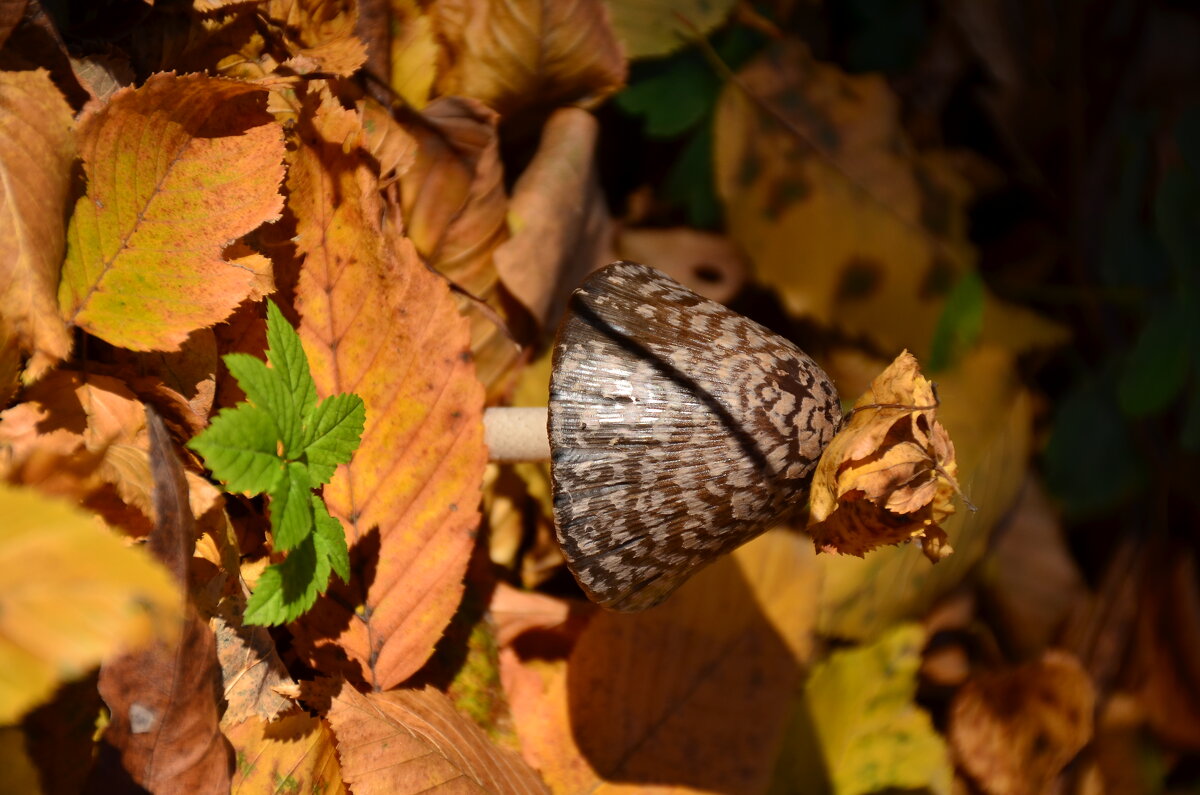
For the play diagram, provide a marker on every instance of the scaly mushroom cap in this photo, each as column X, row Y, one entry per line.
column 679, row 430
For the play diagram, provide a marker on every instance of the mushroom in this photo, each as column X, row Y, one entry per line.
column 678, row 430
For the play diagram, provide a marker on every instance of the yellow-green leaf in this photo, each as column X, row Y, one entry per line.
column 176, row 170
column 71, row 595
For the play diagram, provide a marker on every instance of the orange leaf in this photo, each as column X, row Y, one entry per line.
column 320, row 34
column 414, row 741
column 36, row 153
column 376, row 322
column 292, row 754
column 176, row 170
column 697, row 680
column 517, row 54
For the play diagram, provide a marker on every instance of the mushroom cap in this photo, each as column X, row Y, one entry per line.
column 679, row 430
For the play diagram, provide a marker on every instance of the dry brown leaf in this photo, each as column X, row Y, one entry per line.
column 392, row 146
column 163, row 734
column 454, row 207
column 36, row 154
column 11, row 12
column 888, row 475
column 558, row 219
column 319, row 35
column 293, row 754
column 251, row 670
column 376, row 322
column 516, row 55
column 1168, row 651
column 414, row 741
column 697, row 680
column 1014, row 731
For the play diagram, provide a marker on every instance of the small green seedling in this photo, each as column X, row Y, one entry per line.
column 285, row 444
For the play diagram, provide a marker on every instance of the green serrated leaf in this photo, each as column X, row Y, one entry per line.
column 266, row 390
column 286, row 356
column 241, row 449
column 334, row 432
column 285, row 590
column 291, row 507
column 330, row 539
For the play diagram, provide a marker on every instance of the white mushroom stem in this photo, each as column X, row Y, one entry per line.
column 516, row 434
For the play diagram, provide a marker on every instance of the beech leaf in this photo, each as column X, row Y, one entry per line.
column 414, row 741
column 376, row 321
column 175, row 170
column 293, row 754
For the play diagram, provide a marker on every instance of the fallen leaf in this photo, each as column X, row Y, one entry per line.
column 376, row 322
column 814, row 166
column 1014, row 731
column 163, row 733
column 20, row 775
column 414, row 51
column 650, row 28
column 319, row 35
column 558, row 220
column 388, row 141
column 697, row 680
column 516, row 55
column 11, row 12
column 1166, row 642
column 292, row 754
column 873, row 736
column 454, row 207
column 36, row 154
column 71, row 594
column 176, row 169
column 413, row 741
column 888, row 475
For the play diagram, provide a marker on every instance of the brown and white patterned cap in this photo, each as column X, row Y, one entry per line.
column 679, row 430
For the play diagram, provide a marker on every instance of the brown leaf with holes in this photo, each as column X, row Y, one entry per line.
column 1014, row 731
column 515, row 55
column 888, row 475
column 414, row 741
column 164, row 734
column 375, row 321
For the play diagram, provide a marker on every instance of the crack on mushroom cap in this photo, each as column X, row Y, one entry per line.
column 679, row 430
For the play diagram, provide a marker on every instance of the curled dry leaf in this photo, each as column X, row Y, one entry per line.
column 888, row 475
column 414, row 741
column 36, row 152
column 518, row 54
column 1014, row 731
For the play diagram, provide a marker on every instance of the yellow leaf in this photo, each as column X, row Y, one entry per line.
column 292, row 754
column 36, row 154
column 176, row 169
column 650, row 28
column 71, row 595
column 873, row 736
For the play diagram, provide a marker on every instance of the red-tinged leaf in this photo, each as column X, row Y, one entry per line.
column 414, row 741
column 164, row 734
column 518, row 54
column 36, row 153
column 292, row 754
column 377, row 323
column 455, row 212
column 176, row 170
